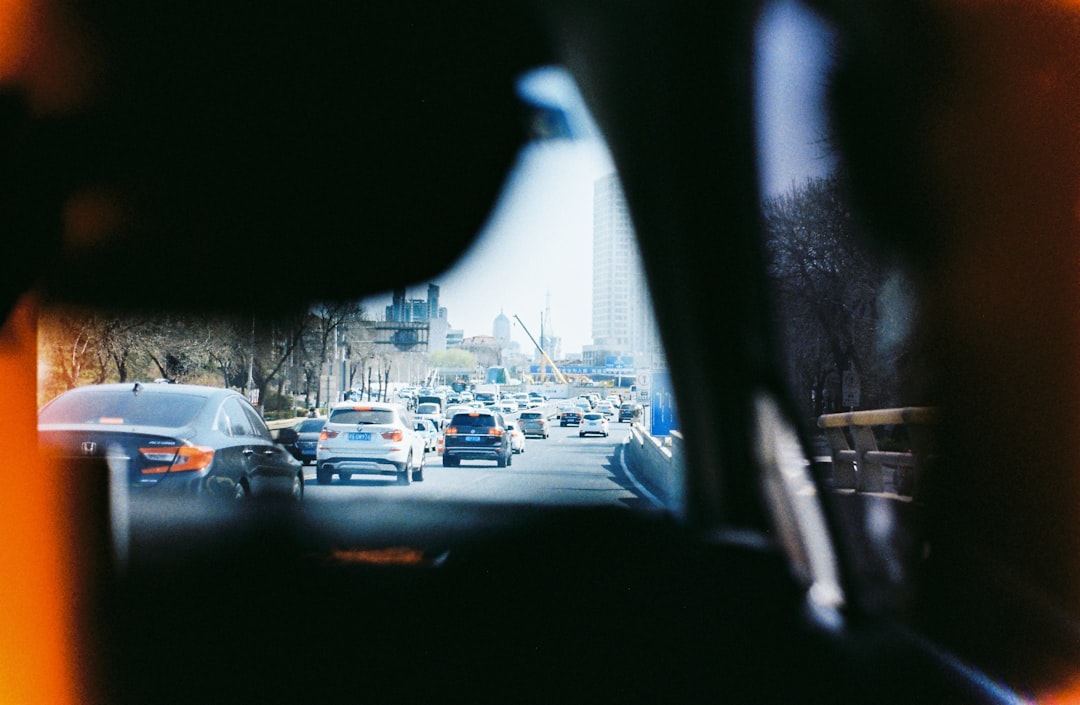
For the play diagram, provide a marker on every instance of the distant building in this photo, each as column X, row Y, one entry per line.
column 623, row 328
column 500, row 329
column 414, row 325
column 403, row 310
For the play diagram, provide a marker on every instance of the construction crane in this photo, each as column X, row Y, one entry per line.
column 545, row 360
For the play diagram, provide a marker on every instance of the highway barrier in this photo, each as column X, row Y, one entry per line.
column 657, row 461
column 860, row 463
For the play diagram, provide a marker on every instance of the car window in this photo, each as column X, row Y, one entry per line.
column 310, row 425
column 233, row 420
column 361, row 415
column 474, row 421
column 122, row 406
column 258, row 426
column 843, row 310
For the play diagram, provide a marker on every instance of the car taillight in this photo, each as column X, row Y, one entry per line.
column 395, row 435
column 495, row 432
column 185, row 458
column 450, row 431
column 327, row 434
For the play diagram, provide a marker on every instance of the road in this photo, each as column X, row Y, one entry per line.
column 562, row 469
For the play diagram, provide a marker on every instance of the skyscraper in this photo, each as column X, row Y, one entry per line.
column 622, row 320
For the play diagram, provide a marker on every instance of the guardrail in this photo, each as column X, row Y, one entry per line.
column 859, row 463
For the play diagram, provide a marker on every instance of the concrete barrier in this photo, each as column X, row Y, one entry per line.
column 657, row 463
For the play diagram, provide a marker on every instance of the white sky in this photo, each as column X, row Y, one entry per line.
column 538, row 241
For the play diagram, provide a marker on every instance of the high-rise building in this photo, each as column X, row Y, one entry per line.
column 403, row 310
column 414, row 324
column 500, row 329
column 623, row 328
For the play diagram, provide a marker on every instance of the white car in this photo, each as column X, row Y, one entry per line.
column 605, row 407
column 427, row 428
column 517, row 437
column 593, row 423
column 370, row 438
column 431, row 410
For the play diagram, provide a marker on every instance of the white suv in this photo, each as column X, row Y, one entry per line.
column 593, row 422
column 370, row 437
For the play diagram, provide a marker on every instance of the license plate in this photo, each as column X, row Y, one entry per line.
column 472, row 438
column 359, row 436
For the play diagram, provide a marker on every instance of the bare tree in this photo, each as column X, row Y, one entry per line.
column 827, row 284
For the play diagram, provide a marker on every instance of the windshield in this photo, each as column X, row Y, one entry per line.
column 579, row 329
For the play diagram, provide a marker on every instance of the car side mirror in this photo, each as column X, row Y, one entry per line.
column 285, row 435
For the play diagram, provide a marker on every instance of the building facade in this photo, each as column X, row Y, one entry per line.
column 623, row 326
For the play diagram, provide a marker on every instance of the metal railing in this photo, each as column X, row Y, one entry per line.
column 860, row 463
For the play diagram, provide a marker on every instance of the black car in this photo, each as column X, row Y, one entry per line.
column 478, row 435
column 307, row 431
column 173, row 438
column 571, row 417
column 629, row 411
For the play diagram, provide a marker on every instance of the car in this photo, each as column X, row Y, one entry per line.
column 430, row 410
column 427, row 428
column 173, row 439
column 534, row 423
column 370, row 438
column 571, row 417
column 630, row 411
column 307, row 432
column 477, row 435
column 593, row 423
column 605, row 407
column 517, row 437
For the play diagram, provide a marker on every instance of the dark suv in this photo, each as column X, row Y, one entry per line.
column 629, row 411
column 476, row 435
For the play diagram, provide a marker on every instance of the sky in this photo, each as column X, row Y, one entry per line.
column 533, row 257
column 792, row 56
column 535, row 251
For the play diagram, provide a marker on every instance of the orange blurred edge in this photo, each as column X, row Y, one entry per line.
column 38, row 577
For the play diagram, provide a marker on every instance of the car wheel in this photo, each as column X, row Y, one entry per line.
column 405, row 475
column 297, row 492
column 323, row 477
column 345, row 476
column 418, row 473
column 449, row 462
column 503, row 460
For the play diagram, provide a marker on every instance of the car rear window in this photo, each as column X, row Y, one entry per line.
column 593, row 417
column 362, row 415
column 123, row 407
column 311, row 425
column 529, row 415
column 427, row 409
column 474, row 420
